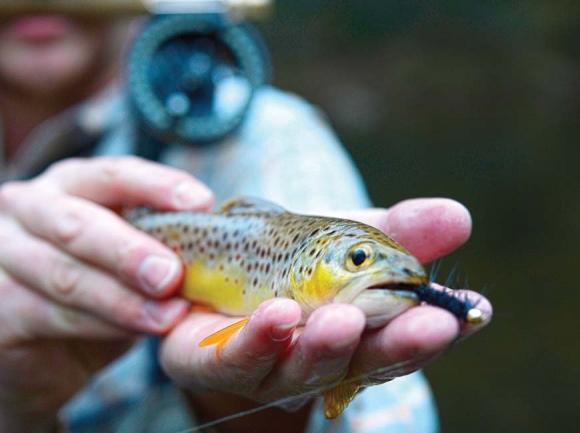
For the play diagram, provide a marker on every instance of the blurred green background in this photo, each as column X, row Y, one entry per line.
column 478, row 101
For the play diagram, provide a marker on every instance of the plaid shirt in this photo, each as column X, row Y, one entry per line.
column 285, row 152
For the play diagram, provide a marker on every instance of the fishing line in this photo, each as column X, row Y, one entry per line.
column 313, row 393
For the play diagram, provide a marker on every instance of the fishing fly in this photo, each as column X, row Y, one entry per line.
column 253, row 250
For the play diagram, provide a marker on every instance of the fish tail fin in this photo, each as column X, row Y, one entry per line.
column 337, row 399
column 223, row 335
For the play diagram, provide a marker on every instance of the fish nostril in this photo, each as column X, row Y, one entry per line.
column 408, row 271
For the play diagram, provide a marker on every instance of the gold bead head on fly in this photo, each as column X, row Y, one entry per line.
column 475, row 316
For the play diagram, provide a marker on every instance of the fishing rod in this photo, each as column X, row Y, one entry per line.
column 248, row 9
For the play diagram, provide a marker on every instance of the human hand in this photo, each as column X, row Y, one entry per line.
column 264, row 363
column 77, row 282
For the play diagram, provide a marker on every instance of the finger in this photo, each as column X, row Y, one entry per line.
column 252, row 353
column 96, row 235
column 428, row 228
column 28, row 315
column 112, row 181
column 76, row 285
column 246, row 357
column 407, row 343
column 322, row 353
column 477, row 300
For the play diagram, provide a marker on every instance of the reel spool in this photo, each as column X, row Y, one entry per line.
column 191, row 77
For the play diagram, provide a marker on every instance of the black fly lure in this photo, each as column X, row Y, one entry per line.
column 460, row 306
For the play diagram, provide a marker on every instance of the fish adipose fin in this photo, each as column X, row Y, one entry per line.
column 337, row 399
column 222, row 336
column 243, row 205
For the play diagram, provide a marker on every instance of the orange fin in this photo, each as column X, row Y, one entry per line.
column 223, row 335
column 337, row 399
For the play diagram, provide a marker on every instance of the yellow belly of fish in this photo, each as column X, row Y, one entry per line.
column 224, row 289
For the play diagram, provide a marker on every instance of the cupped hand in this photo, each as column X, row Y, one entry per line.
column 270, row 358
column 77, row 282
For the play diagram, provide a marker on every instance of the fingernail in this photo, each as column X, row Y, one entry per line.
column 282, row 331
column 165, row 313
column 190, row 195
column 155, row 272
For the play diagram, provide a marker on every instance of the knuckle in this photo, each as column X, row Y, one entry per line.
column 9, row 192
column 68, row 223
column 114, row 168
column 66, row 278
column 125, row 308
column 63, row 167
column 128, row 257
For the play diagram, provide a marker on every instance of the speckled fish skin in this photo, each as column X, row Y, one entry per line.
column 252, row 250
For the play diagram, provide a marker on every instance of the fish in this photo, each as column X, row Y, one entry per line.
column 252, row 250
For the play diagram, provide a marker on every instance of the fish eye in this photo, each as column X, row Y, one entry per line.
column 359, row 256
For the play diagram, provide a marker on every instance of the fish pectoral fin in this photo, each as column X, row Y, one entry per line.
column 223, row 335
column 337, row 399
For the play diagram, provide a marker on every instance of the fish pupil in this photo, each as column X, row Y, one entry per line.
column 358, row 257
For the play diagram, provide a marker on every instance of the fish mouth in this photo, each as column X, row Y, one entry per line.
column 397, row 287
column 384, row 301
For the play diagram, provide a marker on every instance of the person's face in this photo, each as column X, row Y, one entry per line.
column 52, row 53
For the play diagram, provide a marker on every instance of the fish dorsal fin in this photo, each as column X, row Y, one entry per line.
column 244, row 205
column 136, row 213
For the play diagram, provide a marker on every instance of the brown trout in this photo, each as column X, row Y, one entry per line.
column 252, row 250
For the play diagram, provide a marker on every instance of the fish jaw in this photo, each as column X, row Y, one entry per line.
column 382, row 301
column 380, row 305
